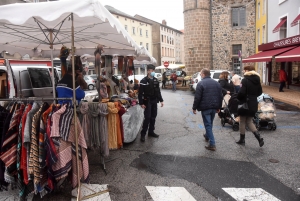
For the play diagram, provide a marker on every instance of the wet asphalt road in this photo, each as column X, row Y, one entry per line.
column 178, row 158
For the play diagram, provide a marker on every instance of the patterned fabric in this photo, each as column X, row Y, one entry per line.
column 65, row 122
column 121, row 112
column 84, row 109
column 103, row 129
column 94, row 125
column 33, row 166
column 5, row 117
column 112, row 125
column 118, row 122
column 9, row 147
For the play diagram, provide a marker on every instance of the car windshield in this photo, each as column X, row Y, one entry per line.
column 216, row 75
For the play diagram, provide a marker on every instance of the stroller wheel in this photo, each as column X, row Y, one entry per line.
column 235, row 127
column 270, row 126
column 223, row 122
column 274, row 126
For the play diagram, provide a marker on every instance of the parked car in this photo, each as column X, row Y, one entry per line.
column 214, row 74
column 90, row 81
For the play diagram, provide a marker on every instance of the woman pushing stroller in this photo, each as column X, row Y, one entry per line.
column 250, row 90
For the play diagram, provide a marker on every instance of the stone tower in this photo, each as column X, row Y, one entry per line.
column 197, row 35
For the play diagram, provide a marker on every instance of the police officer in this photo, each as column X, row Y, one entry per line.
column 149, row 96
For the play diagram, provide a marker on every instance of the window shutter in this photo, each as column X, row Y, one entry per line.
column 242, row 15
column 234, row 17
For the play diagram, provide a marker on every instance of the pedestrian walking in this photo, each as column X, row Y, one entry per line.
column 164, row 80
column 227, row 88
column 183, row 74
column 149, row 96
column 282, row 78
column 208, row 100
column 250, row 90
column 236, row 81
column 174, row 80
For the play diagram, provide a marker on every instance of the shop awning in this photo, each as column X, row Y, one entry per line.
column 266, row 56
column 295, row 21
column 277, row 28
column 291, row 55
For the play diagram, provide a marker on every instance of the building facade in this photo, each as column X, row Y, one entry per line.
column 284, row 26
column 139, row 30
column 167, row 42
column 4, row 2
column 261, row 34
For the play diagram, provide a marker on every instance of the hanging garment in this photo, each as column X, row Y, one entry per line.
column 121, row 111
column 103, row 133
column 4, row 116
column 23, row 191
column 33, row 165
column 84, row 109
column 94, row 125
column 112, row 125
column 119, row 134
column 65, row 123
column 9, row 146
column 27, row 134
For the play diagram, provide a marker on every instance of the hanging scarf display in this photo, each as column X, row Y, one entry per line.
column 112, row 125
column 94, row 125
column 103, row 129
column 84, row 109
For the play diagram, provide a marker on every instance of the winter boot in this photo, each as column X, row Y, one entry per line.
column 242, row 139
column 259, row 139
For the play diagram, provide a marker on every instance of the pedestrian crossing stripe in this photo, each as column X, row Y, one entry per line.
column 159, row 193
column 250, row 194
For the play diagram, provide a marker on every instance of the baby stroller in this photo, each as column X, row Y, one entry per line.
column 228, row 113
column 265, row 116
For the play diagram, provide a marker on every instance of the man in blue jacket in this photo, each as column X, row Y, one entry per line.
column 65, row 87
column 208, row 100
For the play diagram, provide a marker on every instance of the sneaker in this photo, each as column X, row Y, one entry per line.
column 142, row 138
column 206, row 138
column 153, row 135
column 211, row 148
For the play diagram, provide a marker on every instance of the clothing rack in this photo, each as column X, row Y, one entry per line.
column 34, row 99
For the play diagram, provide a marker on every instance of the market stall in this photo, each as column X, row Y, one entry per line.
column 59, row 25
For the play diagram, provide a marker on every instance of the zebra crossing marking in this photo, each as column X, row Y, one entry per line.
column 165, row 193
column 250, row 194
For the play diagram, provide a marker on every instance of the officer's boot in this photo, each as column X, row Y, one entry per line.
column 259, row 139
column 242, row 139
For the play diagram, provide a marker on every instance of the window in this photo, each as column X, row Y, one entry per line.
column 141, row 32
column 236, row 49
column 283, row 29
column 163, row 51
column 238, row 16
column 147, row 33
column 258, row 10
column 147, row 46
column 125, row 19
column 117, row 16
column 126, row 28
column 40, row 78
column 236, row 65
column 141, row 43
column 264, row 6
column 264, row 35
column 133, row 30
column 162, row 38
column 258, row 36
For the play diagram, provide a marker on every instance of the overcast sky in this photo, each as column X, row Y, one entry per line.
column 157, row 10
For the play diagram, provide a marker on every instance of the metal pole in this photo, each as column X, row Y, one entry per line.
column 75, row 114
column 51, row 47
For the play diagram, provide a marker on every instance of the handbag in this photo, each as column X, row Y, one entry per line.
column 243, row 108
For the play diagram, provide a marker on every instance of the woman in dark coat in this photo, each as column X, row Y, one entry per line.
column 227, row 88
column 251, row 89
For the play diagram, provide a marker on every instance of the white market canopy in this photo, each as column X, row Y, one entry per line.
column 171, row 66
column 30, row 28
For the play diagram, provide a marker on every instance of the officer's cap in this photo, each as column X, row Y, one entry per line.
column 150, row 66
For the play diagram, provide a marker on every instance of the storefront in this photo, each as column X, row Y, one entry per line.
column 282, row 53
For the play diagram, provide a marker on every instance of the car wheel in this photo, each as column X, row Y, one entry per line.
column 91, row 87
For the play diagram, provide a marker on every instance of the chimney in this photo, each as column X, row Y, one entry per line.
column 164, row 22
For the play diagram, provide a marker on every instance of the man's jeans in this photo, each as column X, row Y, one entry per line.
column 174, row 85
column 208, row 119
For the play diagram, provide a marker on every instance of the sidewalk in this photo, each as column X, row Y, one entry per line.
column 289, row 96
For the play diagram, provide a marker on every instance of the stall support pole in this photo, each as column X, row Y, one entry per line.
column 52, row 67
column 75, row 114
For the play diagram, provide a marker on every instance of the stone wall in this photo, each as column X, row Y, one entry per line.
column 197, row 45
column 225, row 35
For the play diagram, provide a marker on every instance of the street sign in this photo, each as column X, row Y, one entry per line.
column 166, row 64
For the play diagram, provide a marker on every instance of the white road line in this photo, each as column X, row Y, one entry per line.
column 250, row 194
column 164, row 193
column 92, row 190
